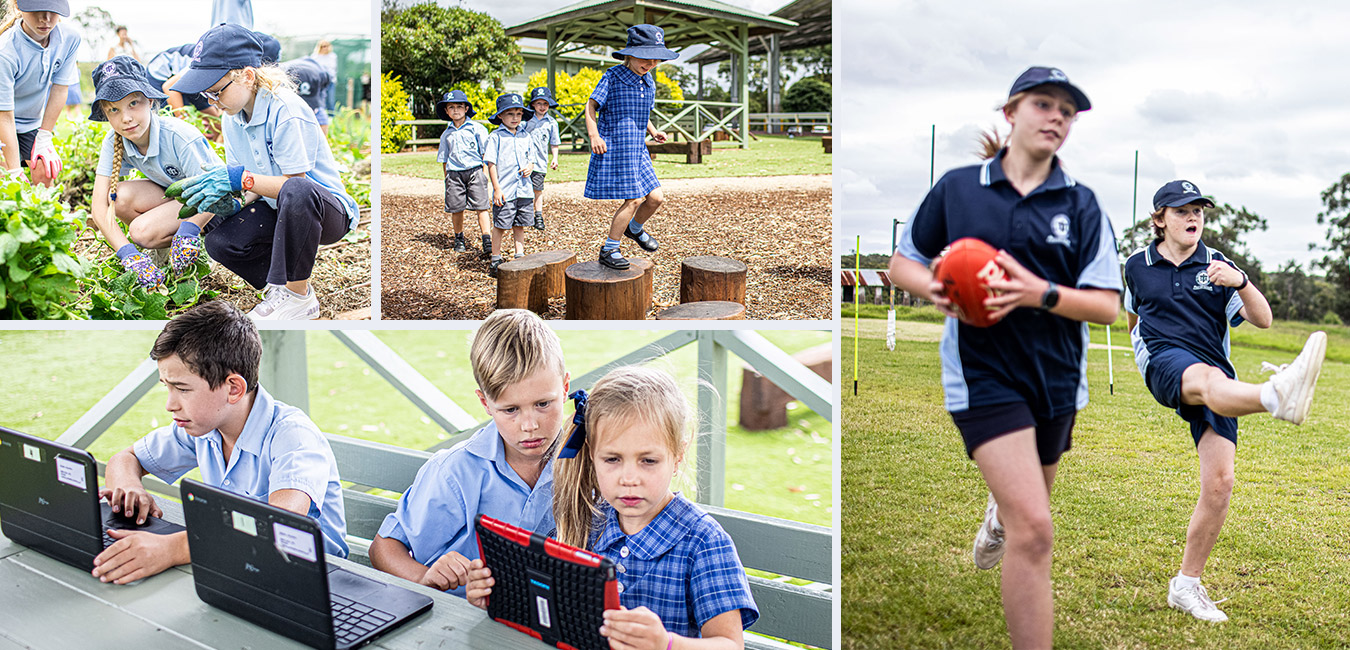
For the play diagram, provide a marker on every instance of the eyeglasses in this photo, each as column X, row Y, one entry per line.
column 214, row 96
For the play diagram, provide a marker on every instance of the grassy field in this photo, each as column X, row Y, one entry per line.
column 768, row 156
column 55, row 376
column 912, row 502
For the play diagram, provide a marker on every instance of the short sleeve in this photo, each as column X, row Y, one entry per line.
column 443, row 152
column 105, row 157
column 601, row 92
column 481, row 134
column 196, row 154
column 717, row 583
column 430, row 516
column 1100, row 263
column 8, row 71
column 167, row 452
column 553, row 139
column 69, row 74
column 300, row 459
column 295, row 145
column 490, row 149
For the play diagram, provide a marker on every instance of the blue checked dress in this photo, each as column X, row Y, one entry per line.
column 624, row 171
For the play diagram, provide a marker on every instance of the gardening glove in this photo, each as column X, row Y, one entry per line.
column 187, row 247
column 44, row 153
column 211, row 186
column 225, row 207
column 147, row 274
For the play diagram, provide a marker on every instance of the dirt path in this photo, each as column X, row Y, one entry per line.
column 423, row 187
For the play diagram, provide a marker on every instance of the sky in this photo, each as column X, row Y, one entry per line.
column 1249, row 102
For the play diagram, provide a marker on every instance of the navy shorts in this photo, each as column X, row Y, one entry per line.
column 516, row 213
column 1165, row 368
column 26, row 141
column 984, row 423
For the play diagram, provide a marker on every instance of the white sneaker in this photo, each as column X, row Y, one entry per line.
column 1195, row 601
column 280, row 303
column 989, row 539
column 1294, row 382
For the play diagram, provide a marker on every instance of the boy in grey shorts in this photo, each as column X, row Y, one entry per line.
column 510, row 156
column 544, row 129
column 461, row 158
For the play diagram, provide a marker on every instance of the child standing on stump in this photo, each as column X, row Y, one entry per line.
column 461, row 158
column 617, row 113
column 544, row 129
column 510, row 159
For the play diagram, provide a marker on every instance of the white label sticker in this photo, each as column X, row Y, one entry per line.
column 70, row 472
column 32, row 453
column 541, row 606
column 244, row 523
column 294, row 541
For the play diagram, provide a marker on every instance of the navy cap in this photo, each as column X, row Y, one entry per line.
column 271, row 47
column 454, row 97
column 224, row 48
column 1039, row 76
column 506, row 102
column 543, row 93
column 1177, row 194
column 58, row 6
column 646, row 42
column 116, row 78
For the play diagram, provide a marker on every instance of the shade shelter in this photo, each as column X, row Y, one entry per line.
column 815, row 27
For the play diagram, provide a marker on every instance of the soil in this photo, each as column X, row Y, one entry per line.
column 779, row 226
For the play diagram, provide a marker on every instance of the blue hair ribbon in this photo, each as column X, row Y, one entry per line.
column 578, row 437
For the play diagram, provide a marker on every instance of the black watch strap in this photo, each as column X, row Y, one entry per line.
column 1051, row 297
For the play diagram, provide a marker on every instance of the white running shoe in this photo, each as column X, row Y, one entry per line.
column 989, row 539
column 281, row 304
column 1195, row 601
column 1294, row 382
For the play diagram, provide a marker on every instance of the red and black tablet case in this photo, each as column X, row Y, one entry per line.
column 551, row 591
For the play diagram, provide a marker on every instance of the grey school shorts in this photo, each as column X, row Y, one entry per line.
column 466, row 189
column 537, row 179
column 515, row 212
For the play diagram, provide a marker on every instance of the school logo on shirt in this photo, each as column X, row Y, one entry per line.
column 172, row 171
column 1202, row 281
column 1059, row 230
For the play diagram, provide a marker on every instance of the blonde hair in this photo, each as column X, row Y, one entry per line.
column 511, row 345
column 990, row 142
column 11, row 17
column 270, row 76
column 118, row 149
column 627, row 393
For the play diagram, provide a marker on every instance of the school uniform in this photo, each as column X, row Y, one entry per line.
column 170, row 62
column 1032, row 357
column 435, row 516
column 511, row 152
column 235, row 12
column 461, row 151
column 279, row 449
column 176, row 150
column 27, row 73
column 311, row 81
column 625, row 103
column 544, row 130
column 682, row 566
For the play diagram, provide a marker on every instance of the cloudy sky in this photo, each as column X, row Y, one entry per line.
column 1249, row 101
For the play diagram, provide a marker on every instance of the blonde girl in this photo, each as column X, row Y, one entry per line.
column 37, row 67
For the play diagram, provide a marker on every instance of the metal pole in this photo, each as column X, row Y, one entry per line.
column 932, row 155
column 895, row 223
column 857, row 283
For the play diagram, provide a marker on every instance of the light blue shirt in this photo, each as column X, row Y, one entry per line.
column 462, row 147
column 281, row 137
column 279, row 449
column 176, row 151
column 166, row 64
column 435, row 516
column 235, row 12
column 544, row 130
column 28, row 71
column 511, row 152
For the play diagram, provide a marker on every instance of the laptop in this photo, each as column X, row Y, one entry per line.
column 49, row 501
column 267, row 566
column 551, row 591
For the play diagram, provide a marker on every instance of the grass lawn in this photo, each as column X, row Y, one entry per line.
column 912, row 502
column 771, row 155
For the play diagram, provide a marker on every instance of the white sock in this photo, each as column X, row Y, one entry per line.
column 297, row 295
column 1269, row 400
column 1183, row 580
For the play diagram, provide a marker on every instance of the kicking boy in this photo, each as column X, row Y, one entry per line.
column 461, row 158
column 227, row 425
column 505, row 470
column 544, row 129
column 509, row 155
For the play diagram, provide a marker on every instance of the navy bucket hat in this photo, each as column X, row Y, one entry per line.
column 57, row 6
column 542, row 93
column 454, row 97
column 646, row 42
column 1178, row 193
column 224, row 48
column 1040, row 76
column 118, row 77
column 507, row 102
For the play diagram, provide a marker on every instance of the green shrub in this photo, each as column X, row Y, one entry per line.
column 1332, row 319
column 349, row 138
column 809, row 95
column 393, row 108
column 39, row 272
column 577, row 89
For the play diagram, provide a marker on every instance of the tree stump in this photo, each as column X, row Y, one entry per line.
column 828, row 143
column 705, row 310
column 521, row 284
column 597, row 292
column 555, row 264
column 709, row 277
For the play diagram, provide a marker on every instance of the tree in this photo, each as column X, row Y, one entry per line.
column 1225, row 229
column 432, row 48
column 810, row 95
column 1336, row 260
column 1295, row 295
column 813, row 61
column 96, row 28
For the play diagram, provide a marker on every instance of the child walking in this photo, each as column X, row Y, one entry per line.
column 617, row 114
column 681, row 583
column 1182, row 297
column 509, row 155
column 463, row 144
column 37, row 66
column 546, row 142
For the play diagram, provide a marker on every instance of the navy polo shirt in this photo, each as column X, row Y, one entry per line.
column 1179, row 307
column 1060, row 233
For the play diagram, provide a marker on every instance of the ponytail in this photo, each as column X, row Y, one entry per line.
column 990, row 143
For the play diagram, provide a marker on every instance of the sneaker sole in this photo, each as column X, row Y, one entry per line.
column 1317, row 344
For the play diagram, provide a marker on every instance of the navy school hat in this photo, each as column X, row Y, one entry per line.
column 454, row 97
column 116, row 78
column 542, row 93
column 223, row 48
column 1040, row 75
column 58, row 6
column 646, row 42
column 271, row 47
column 506, row 102
column 1178, row 193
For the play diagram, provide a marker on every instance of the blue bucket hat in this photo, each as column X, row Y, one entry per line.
column 1178, row 193
column 1039, row 76
column 454, row 97
column 271, row 47
column 505, row 102
column 118, row 77
column 58, row 6
column 542, row 93
column 646, row 42
column 223, row 48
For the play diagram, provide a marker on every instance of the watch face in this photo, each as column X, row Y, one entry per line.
column 248, row 181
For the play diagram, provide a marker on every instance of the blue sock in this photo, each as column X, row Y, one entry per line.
column 126, row 251
column 635, row 227
column 189, row 229
column 610, row 244
column 496, row 258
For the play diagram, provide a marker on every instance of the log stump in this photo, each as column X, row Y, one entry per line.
column 555, row 264
column 828, row 143
column 705, row 310
column 597, row 292
column 521, row 284
column 709, row 277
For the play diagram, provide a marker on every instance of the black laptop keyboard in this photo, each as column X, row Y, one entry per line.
column 353, row 620
column 107, row 539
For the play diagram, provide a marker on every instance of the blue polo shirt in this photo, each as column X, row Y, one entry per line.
column 462, row 147
column 435, row 516
column 235, row 12
column 511, row 152
column 545, row 132
column 28, row 71
column 170, row 62
column 1179, row 307
column 279, row 449
column 176, row 150
column 1060, row 233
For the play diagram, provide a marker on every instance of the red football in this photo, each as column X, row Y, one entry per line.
column 965, row 271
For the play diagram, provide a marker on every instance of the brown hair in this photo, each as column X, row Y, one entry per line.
column 990, row 142
column 511, row 345
column 214, row 340
column 118, row 150
column 1153, row 221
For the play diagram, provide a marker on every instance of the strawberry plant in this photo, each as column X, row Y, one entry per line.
column 39, row 273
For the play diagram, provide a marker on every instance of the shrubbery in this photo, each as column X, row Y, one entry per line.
column 393, row 108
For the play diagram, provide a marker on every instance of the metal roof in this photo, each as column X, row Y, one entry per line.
column 815, row 26
column 680, row 18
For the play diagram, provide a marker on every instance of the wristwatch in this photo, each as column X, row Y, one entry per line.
column 247, row 182
column 1242, row 286
column 1050, row 298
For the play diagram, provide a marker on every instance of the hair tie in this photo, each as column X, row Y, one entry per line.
column 578, row 437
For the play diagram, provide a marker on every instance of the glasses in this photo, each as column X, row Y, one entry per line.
column 214, row 96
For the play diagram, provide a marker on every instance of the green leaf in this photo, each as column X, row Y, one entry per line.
column 67, row 264
column 185, row 293
column 17, row 273
column 9, row 245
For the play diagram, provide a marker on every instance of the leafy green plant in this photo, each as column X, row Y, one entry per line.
column 113, row 293
column 349, row 138
column 393, row 108
column 78, row 142
column 809, row 95
column 570, row 91
column 39, row 272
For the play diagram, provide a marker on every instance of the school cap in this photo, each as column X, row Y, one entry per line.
column 543, row 93
column 1040, row 75
column 506, row 102
column 57, row 6
column 271, row 47
column 224, row 48
column 1178, row 193
column 646, row 42
column 116, row 78
column 454, row 97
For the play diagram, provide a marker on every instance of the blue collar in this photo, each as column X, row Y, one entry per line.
column 487, row 444
column 467, row 123
column 1202, row 255
column 262, row 106
column 991, row 172
column 660, row 535
column 257, row 425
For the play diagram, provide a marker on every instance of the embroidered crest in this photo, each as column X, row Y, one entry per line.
column 1057, row 75
column 1202, row 281
column 197, row 53
column 1187, row 188
column 1059, row 230
column 110, row 70
column 173, row 172
column 303, row 89
column 661, row 40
